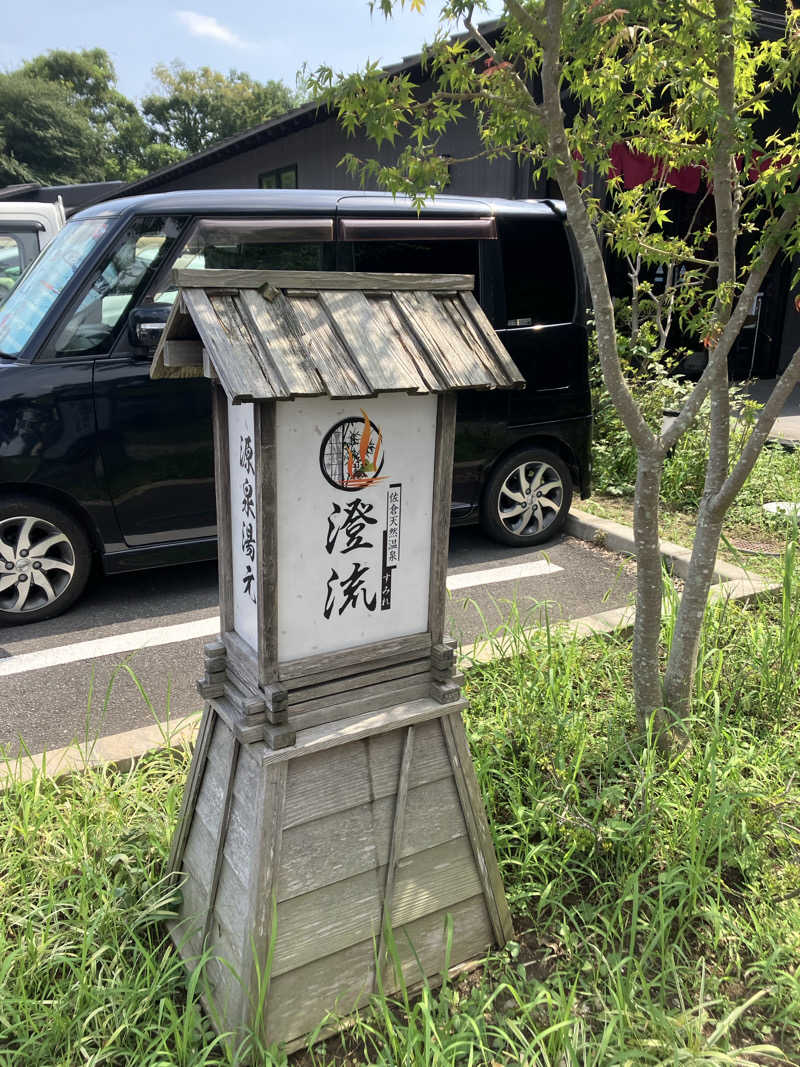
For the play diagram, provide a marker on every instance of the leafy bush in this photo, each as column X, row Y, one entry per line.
column 659, row 390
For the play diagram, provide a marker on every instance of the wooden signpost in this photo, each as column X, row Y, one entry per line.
column 332, row 798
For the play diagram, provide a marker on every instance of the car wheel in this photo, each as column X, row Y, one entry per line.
column 45, row 560
column 527, row 497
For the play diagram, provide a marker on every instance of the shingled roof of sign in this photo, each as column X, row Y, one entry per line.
column 275, row 335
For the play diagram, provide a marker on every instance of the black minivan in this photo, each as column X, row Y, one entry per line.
column 97, row 459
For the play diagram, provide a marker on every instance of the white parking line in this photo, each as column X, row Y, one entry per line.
column 108, row 646
column 468, row 579
column 186, row 631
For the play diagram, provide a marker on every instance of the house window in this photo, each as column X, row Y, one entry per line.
column 280, row 178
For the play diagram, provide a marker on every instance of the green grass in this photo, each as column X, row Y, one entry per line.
column 657, row 904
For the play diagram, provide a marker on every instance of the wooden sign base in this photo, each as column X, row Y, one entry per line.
column 295, row 861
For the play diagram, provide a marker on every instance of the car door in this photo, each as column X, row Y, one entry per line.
column 155, row 436
column 136, row 427
column 438, row 246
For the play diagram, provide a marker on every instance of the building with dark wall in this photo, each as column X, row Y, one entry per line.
column 304, row 149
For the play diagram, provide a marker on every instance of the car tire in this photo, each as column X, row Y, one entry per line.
column 527, row 498
column 45, row 560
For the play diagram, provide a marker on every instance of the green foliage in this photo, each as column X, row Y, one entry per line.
column 657, row 390
column 642, row 75
column 193, row 109
column 63, row 119
column 656, row 902
column 43, row 135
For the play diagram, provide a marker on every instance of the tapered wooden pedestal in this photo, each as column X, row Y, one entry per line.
column 295, row 862
column 332, row 826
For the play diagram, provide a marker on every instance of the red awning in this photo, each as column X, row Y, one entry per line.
column 636, row 168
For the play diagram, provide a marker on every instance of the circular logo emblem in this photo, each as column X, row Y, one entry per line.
column 351, row 454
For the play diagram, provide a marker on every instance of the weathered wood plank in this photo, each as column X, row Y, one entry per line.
column 248, row 775
column 358, row 839
column 279, row 335
column 440, row 519
column 331, row 735
column 219, row 406
column 262, row 893
column 333, row 781
column 248, row 370
column 456, row 322
column 484, row 328
column 376, row 654
column 228, row 917
column 191, row 914
column 329, row 850
column 362, row 699
column 434, row 879
column 354, row 682
column 336, row 916
column 332, row 918
column 403, row 346
column 424, row 320
column 341, row 983
column 395, row 848
column 329, row 713
column 267, row 547
column 339, row 374
column 191, row 789
column 329, row 782
column 183, row 354
column 242, row 660
column 223, row 830
column 468, row 359
column 363, row 334
column 318, row 279
column 210, row 798
column 477, row 826
column 233, row 362
column 198, row 856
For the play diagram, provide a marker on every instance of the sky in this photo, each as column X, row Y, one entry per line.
column 271, row 39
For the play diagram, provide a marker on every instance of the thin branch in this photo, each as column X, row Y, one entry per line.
column 578, row 215
column 732, row 328
column 492, row 53
column 755, row 442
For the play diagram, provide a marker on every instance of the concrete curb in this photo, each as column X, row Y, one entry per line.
column 734, row 583
column 124, row 749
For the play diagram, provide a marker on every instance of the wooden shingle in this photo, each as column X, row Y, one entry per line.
column 276, row 335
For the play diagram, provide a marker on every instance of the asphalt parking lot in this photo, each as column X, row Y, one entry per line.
column 131, row 650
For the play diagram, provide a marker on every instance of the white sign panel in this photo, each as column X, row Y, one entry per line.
column 244, row 532
column 355, row 495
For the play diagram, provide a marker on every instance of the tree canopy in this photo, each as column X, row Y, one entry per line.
column 63, row 118
column 686, row 86
column 193, row 109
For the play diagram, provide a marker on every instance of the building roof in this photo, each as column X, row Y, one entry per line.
column 297, row 119
column 277, row 335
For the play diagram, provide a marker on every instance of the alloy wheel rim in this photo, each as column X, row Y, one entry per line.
column 530, row 498
column 37, row 563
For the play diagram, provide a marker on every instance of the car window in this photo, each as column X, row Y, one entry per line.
column 538, row 273
column 40, row 287
column 11, row 263
column 200, row 253
column 116, row 286
column 414, row 257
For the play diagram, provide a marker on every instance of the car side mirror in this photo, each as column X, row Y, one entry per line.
column 146, row 324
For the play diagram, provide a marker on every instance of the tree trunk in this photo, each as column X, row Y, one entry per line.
column 647, row 625
column 682, row 662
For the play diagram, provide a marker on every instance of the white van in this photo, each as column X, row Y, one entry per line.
column 25, row 229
